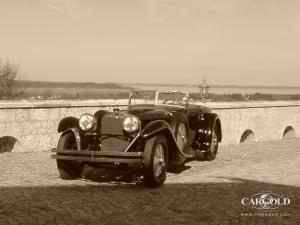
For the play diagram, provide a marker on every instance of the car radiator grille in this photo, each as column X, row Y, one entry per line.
column 112, row 138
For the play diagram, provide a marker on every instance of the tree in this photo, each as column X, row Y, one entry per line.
column 9, row 73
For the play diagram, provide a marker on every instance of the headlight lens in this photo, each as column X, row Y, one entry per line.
column 131, row 124
column 87, row 121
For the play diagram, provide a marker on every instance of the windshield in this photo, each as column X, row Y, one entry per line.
column 155, row 97
column 142, row 97
column 173, row 98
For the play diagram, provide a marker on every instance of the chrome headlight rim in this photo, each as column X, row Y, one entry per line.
column 87, row 122
column 131, row 124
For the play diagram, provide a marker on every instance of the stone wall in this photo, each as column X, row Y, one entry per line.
column 32, row 126
column 258, row 121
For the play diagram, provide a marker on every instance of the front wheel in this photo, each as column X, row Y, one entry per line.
column 155, row 161
column 68, row 169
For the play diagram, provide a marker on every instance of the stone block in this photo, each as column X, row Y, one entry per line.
column 22, row 114
column 44, row 114
column 41, row 127
column 7, row 115
column 35, row 143
column 17, row 129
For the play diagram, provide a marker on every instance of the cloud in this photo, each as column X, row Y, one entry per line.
column 56, row 5
column 159, row 11
column 69, row 8
column 62, row 5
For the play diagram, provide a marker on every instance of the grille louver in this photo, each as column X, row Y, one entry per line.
column 112, row 138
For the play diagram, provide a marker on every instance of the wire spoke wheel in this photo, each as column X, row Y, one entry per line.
column 155, row 161
column 181, row 138
column 214, row 141
column 158, row 160
column 214, row 145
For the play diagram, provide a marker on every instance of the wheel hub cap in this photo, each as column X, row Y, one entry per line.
column 158, row 160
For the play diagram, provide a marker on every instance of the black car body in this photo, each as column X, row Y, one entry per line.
column 158, row 130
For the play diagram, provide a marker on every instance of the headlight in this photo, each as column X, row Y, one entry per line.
column 87, row 121
column 131, row 124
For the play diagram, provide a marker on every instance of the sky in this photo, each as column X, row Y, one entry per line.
column 230, row 42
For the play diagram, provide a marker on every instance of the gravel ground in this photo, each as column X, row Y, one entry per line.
column 204, row 193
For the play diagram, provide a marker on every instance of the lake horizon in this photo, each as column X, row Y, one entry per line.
column 218, row 89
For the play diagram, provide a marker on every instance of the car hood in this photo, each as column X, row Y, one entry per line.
column 156, row 112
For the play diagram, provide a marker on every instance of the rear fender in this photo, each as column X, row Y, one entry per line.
column 205, row 129
column 76, row 134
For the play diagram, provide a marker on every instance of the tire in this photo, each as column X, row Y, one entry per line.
column 178, row 124
column 67, row 169
column 212, row 153
column 155, row 161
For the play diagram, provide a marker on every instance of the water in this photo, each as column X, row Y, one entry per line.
column 218, row 90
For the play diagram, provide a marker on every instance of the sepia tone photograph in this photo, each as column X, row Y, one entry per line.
column 147, row 112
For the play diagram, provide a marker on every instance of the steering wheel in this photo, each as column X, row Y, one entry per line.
column 172, row 101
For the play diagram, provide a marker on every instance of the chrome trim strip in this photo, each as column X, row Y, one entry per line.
column 133, row 141
column 116, row 161
column 111, row 154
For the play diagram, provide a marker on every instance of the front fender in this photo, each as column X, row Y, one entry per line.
column 162, row 127
column 76, row 134
column 155, row 127
column 67, row 123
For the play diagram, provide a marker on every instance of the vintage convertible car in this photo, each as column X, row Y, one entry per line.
column 157, row 132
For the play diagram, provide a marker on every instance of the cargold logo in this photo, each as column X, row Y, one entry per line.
column 266, row 201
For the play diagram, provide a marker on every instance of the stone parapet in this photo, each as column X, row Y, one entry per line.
column 33, row 124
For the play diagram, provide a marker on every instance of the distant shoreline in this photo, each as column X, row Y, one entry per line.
column 214, row 86
column 91, row 90
column 121, row 85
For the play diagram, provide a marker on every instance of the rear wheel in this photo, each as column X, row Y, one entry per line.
column 212, row 153
column 68, row 169
column 155, row 161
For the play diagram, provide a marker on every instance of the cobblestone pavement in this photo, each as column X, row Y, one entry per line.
column 204, row 193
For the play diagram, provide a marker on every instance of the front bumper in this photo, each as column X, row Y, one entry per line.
column 114, row 158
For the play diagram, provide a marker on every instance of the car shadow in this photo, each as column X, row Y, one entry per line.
column 118, row 202
column 106, row 174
